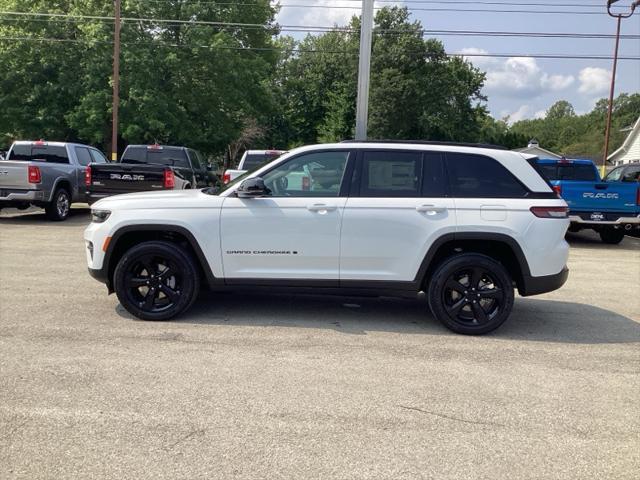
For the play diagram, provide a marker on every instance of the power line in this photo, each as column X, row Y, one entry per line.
column 303, row 50
column 324, row 29
column 419, row 2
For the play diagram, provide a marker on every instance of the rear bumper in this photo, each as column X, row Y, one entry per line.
column 548, row 283
column 608, row 220
column 15, row 195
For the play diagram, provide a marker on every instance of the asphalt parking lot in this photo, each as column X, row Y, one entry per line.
column 256, row 386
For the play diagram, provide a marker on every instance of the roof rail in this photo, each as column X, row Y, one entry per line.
column 432, row 142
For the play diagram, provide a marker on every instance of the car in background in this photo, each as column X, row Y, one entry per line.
column 50, row 175
column 610, row 207
column 251, row 160
column 148, row 167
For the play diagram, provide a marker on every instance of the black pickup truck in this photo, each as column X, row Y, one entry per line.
column 148, row 167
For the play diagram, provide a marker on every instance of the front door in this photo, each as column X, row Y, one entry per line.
column 293, row 233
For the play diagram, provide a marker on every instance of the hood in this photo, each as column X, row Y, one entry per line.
column 165, row 199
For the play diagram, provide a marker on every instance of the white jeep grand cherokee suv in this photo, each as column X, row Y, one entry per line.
column 465, row 224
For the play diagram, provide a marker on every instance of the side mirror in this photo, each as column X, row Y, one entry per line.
column 252, row 187
column 209, row 167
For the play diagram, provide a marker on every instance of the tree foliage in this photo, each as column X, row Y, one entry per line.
column 574, row 135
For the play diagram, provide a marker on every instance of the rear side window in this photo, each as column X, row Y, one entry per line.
column 632, row 174
column 84, row 157
column 39, row 153
column 477, row 176
column 391, row 174
column 195, row 160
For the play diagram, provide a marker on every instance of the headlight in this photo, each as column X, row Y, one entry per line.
column 99, row 216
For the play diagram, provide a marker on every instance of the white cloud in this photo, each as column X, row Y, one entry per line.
column 594, row 80
column 520, row 77
column 520, row 114
column 322, row 17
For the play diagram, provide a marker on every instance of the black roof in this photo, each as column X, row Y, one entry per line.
column 432, row 142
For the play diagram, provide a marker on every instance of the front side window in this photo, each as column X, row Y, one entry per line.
column 632, row 174
column 391, row 174
column 309, row 175
column 84, row 157
column 477, row 176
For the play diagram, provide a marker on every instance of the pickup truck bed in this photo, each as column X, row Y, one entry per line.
column 609, row 207
column 147, row 167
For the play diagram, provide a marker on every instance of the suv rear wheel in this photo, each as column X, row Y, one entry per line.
column 611, row 236
column 471, row 294
column 156, row 280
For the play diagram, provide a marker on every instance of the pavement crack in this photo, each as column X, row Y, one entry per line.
column 189, row 435
column 449, row 417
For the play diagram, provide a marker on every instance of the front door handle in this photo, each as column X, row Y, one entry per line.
column 430, row 209
column 321, row 208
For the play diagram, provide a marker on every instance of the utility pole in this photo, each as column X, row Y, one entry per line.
column 116, row 84
column 619, row 17
column 364, row 69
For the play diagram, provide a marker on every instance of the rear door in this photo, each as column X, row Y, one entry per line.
column 83, row 156
column 397, row 207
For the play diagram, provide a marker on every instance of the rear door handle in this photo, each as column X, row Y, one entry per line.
column 321, row 208
column 430, row 209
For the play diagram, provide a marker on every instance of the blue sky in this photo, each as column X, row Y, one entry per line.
column 518, row 87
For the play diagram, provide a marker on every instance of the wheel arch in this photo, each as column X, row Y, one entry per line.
column 500, row 247
column 126, row 237
column 62, row 183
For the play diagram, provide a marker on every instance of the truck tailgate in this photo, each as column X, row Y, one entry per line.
column 601, row 196
column 125, row 178
column 15, row 175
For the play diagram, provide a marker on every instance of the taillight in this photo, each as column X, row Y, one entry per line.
column 169, row 178
column 550, row 212
column 638, row 196
column 558, row 190
column 87, row 176
column 226, row 178
column 34, row 174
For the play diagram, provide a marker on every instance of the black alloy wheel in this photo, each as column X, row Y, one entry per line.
column 156, row 280
column 471, row 294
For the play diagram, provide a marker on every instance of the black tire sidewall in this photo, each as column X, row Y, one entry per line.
column 184, row 261
column 611, row 237
column 52, row 208
column 466, row 260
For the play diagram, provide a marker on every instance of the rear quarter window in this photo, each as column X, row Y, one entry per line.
column 478, row 176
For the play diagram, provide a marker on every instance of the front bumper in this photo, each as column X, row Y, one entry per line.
column 548, row 283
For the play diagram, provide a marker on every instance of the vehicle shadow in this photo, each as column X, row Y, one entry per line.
column 12, row 216
column 591, row 240
column 532, row 319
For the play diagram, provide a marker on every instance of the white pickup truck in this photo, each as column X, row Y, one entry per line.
column 251, row 160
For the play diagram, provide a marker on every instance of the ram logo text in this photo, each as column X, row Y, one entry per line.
column 614, row 196
column 126, row 176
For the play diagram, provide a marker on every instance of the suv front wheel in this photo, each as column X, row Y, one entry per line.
column 156, row 280
column 471, row 294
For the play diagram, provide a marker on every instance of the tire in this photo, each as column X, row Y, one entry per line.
column 471, row 294
column 60, row 206
column 171, row 273
column 611, row 236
